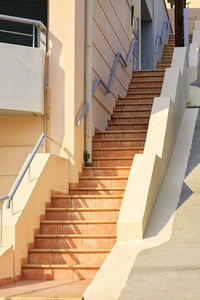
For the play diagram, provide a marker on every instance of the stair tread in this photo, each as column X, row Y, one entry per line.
column 65, row 209
column 75, row 250
column 119, row 148
column 103, row 177
column 75, row 235
column 79, row 222
column 112, row 158
column 119, row 140
column 129, row 117
column 121, row 131
column 132, row 110
column 88, row 196
column 60, row 266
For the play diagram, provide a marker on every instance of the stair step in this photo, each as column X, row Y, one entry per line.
column 147, row 73
column 152, row 94
column 105, row 241
column 133, row 114
column 122, row 143
column 147, row 79
column 75, row 250
column 117, row 152
column 106, row 171
column 75, row 222
column 79, row 227
column 88, row 257
column 49, row 272
column 103, row 191
column 141, row 90
column 105, row 181
column 145, row 84
column 88, row 201
column 127, row 126
column 87, row 196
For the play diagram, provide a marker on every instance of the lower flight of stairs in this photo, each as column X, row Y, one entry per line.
column 79, row 228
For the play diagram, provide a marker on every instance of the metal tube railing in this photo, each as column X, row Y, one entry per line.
column 161, row 38
column 23, row 20
column 104, row 85
column 35, row 23
column 16, row 185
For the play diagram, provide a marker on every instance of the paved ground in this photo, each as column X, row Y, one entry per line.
column 171, row 271
column 35, row 289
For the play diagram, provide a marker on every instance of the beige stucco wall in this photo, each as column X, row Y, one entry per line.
column 111, row 34
column 66, row 78
column 148, row 169
column 18, row 136
column 47, row 172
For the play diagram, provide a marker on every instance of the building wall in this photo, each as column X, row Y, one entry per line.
column 18, row 136
column 66, row 79
column 193, row 13
column 193, row 4
column 111, row 34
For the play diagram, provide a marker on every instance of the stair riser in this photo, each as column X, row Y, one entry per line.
column 102, row 183
column 121, row 135
column 113, row 163
column 134, row 120
column 118, row 144
column 137, row 74
column 116, row 153
column 144, row 90
column 146, row 79
column 130, row 105
column 79, row 243
column 127, row 127
column 85, row 203
column 95, row 192
column 67, row 258
column 143, row 94
column 149, row 84
column 78, row 229
column 132, row 114
column 90, row 216
column 57, row 274
column 111, row 172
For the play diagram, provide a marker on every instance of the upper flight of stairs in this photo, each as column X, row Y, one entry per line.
column 168, row 53
column 79, row 229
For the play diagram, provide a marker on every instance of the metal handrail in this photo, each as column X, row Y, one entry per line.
column 161, row 37
column 37, row 25
column 109, row 87
column 10, row 196
column 23, row 20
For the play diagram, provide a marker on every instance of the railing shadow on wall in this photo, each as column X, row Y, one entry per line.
column 134, row 51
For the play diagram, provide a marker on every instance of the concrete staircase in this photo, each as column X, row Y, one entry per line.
column 79, row 229
column 168, row 53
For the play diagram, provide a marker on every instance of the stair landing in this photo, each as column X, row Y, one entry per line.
column 37, row 289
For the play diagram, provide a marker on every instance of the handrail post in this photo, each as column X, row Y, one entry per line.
column 38, row 37
column 33, row 35
column 1, row 223
column 88, row 78
column 186, row 34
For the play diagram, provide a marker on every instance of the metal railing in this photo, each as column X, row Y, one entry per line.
column 39, row 36
column 186, row 32
column 108, row 87
column 162, row 39
column 8, row 198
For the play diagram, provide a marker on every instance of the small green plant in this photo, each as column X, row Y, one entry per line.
column 86, row 158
